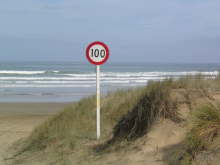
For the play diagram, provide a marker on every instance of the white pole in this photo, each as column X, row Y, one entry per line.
column 98, row 100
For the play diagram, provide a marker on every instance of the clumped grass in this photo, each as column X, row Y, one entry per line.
column 191, row 82
column 126, row 116
column 65, row 128
column 205, row 127
column 155, row 103
column 77, row 123
column 199, row 82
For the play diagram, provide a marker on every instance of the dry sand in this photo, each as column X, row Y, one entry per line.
column 17, row 120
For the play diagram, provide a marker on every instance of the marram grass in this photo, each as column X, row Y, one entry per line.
column 125, row 115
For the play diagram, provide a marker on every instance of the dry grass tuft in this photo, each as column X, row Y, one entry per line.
column 206, row 126
column 76, row 124
column 155, row 103
column 204, row 131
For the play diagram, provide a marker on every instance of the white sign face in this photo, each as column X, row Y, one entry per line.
column 97, row 53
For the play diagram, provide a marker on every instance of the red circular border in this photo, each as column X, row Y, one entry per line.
column 97, row 43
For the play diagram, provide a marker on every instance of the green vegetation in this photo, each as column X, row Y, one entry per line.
column 75, row 126
column 126, row 116
column 155, row 103
column 202, row 135
column 206, row 125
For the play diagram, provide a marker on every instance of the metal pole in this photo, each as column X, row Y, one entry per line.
column 98, row 100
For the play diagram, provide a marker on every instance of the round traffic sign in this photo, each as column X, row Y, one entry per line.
column 97, row 53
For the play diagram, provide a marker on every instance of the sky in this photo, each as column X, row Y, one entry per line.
column 167, row 31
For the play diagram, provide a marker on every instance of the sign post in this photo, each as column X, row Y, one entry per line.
column 97, row 53
column 98, row 101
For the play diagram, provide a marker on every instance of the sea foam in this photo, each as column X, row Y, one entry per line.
column 47, row 79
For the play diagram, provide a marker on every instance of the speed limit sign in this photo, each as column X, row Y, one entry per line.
column 97, row 53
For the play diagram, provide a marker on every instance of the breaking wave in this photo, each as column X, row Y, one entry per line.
column 58, row 79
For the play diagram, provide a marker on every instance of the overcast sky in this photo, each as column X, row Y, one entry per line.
column 141, row 30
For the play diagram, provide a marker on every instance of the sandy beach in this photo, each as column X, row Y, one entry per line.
column 17, row 120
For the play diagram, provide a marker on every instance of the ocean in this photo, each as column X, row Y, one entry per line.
column 70, row 81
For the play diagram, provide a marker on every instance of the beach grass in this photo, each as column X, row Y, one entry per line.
column 202, row 136
column 205, row 127
column 126, row 116
column 78, row 121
